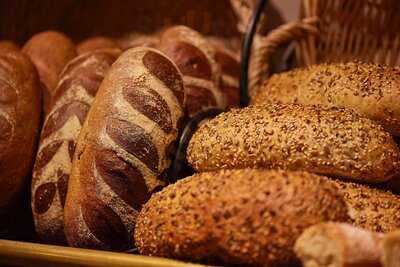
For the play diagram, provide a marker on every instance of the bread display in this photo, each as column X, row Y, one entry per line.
column 124, row 149
column 330, row 141
column 196, row 59
column 244, row 217
column 370, row 208
column 339, row 245
column 49, row 51
column 370, row 89
column 19, row 124
column 94, row 43
column 76, row 90
column 6, row 46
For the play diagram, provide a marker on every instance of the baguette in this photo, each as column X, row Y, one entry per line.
column 196, row 59
column 329, row 141
column 6, row 46
column 371, row 90
column 19, row 125
column 94, row 43
column 124, row 149
column 75, row 92
column 49, row 51
column 245, row 217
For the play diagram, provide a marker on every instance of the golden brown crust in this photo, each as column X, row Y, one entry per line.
column 6, row 46
column 329, row 141
column 370, row 89
column 19, row 124
column 49, row 51
column 95, row 43
column 250, row 217
column 74, row 95
column 124, row 149
column 370, row 208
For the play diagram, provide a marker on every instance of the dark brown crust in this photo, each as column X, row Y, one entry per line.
column 245, row 217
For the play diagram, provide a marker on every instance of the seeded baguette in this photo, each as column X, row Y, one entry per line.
column 19, row 125
column 373, row 209
column 95, row 43
column 124, row 149
column 74, row 95
column 371, row 90
column 328, row 141
column 246, row 217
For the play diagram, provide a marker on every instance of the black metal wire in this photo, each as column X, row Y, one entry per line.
column 246, row 52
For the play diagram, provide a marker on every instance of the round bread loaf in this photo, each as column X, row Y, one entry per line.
column 370, row 89
column 370, row 208
column 245, row 217
column 330, row 141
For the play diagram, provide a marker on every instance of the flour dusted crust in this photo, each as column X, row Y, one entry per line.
column 196, row 59
column 19, row 124
column 245, row 217
column 73, row 97
column 124, row 149
column 330, row 141
column 370, row 89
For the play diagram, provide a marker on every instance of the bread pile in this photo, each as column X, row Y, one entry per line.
column 302, row 176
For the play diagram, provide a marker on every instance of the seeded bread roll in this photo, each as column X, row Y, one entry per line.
column 371, row 90
column 6, row 46
column 49, row 51
column 74, row 95
column 19, row 125
column 95, row 43
column 370, row 208
column 196, row 59
column 124, row 149
column 245, row 217
column 339, row 245
column 329, row 141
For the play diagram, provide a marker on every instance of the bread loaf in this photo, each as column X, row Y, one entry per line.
column 372, row 90
column 19, row 124
column 6, row 46
column 370, row 208
column 244, row 217
column 329, row 141
column 94, row 43
column 49, row 51
column 124, row 149
column 391, row 249
column 76, row 90
column 339, row 245
column 196, row 59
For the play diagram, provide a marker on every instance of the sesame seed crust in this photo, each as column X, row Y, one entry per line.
column 250, row 217
column 371, row 208
column 329, row 141
column 372, row 90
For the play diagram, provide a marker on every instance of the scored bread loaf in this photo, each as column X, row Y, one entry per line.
column 124, row 149
column 196, row 59
column 75, row 92
column 19, row 124
column 371, row 208
column 94, row 43
column 371, row 90
column 246, row 217
column 49, row 51
column 6, row 46
column 330, row 141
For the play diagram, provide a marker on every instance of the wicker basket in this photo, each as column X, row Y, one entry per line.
column 330, row 31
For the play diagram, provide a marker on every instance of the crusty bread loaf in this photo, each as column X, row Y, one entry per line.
column 391, row 249
column 94, row 43
column 6, row 46
column 372, row 90
column 370, row 208
column 329, row 141
column 75, row 92
column 245, row 217
column 196, row 59
column 339, row 245
column 49, row 51
column 124, row 149
column 19, row 124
